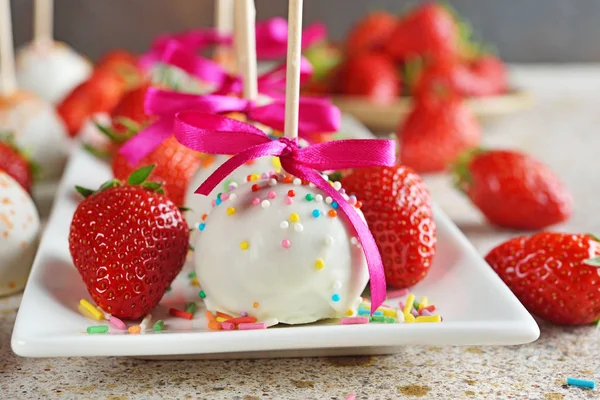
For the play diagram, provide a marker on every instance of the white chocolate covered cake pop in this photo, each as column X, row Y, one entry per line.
column 277, row 249
column 19, row 229
column 51, row 70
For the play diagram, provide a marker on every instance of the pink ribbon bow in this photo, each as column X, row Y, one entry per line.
column 316, row 116
column 271, row 82
column 214, row 134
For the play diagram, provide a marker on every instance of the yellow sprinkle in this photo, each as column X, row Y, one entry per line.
column 195, row 282
column 91, row 310
column 388, row 312
column 350, row 312
column 409, row 318
column 276, row 162
column 294, row 217
column 134, row 329
column 429, row 318
column 423, row 303
column 409, row 304
column 230, row 210
column 244, row 245
column 254, row 177
column 221, row 319
column 319, row 264
column 255, row 305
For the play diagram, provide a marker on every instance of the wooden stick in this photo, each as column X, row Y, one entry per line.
column 8, row 82
column 224, row 17
column 292, row 77
column 43, row 24
column 246, row 35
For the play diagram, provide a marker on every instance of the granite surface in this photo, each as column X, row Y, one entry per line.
column 562, row 130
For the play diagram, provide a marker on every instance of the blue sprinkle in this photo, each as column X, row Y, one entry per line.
column 581, row 383
column 378, row 313
column 202, row 226
column 334, row 205
column 362, row 311
column 335, row 297
column 316, row 213
column 218, row 201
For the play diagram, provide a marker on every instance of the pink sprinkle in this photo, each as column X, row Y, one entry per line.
column 255, row 201
column 414, row 312
column 244, row 314
column 231, row 187
column 224, row 196
column 385, row 306
column 250, row 326
column 228, row 326
column 352, row 201
column 425, row 312
column 214, row 203
column 288, row 200
column 392, row 294
column 271, row 195
column 285, row 243
column 401, row 305
column 354, row 320
column 117, row 322
column 351, row 396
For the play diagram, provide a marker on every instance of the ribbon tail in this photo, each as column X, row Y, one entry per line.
column 363, row 233
column 146, row 141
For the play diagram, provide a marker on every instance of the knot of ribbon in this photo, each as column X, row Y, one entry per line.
column 215, row 134
column 316, row 115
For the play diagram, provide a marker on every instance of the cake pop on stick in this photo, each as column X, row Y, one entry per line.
column 48, row 68
column 224, row 24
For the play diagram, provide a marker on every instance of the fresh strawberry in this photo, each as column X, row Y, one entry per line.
column 76, row 108
column 513, row 189
column 176, row 166
column 124, row 65
column 485, row 76
column 128, row 242
column 372, row 75
column 131, row 107
column 371, row 33
column 429, row 30
column 436, row 132
column 397, row 206
column 554, row 275
column 16, row 164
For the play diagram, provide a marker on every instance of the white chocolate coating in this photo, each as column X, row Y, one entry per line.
column 38, row 130
column 51, row 71
column 19, row 230
column 319, row 274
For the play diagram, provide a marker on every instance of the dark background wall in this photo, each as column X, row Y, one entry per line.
column 522, row 30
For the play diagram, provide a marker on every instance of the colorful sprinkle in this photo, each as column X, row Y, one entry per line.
column 159, row 325
column 285, row 243
column 180, row 314
column 298, row 227
column 358, row 204
column 272, row 182
column 423, row 303
column 332, row 213
column 145, row 322
column 335, row 297
column 350, row 312
column 337, row 285
column 429, row 318
column 337, row 185
column 265, row 204
column 255, row 201
column 134, row 330
column 408, row 318
column 409, row 303
column 354, row 320
column 297, row 181
column 202, row 294
column 318, row 198
column 191, row 308
column 581, row 383
column 204, row 217
column 288, row 201
column 287, row 179
column 377, row 318
column 227, row 326
column 271, row 195
column 232, row 186
column 97, row 329
column 284, row 225
column 91, row 310
column 352, row 200
column 334, row 205
column 232, row 196
column 224, row 196
column 328, row 200
column 291, row 193
column 316, row 213
column 309, row 197
column 244, row 245
column 218, row 201
column 117, row 322
column 255, row 304
column 354, row 240
column 230, row 210
column 294, row 217
column 319, row 264
column 242, row 320
column 214, row 326
column 248, row 327
column 244, row 314
column 255, row 188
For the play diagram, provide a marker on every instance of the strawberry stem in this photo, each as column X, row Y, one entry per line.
column 461, row 172
column 104, row 155
column 85, row 192
column 137, row 178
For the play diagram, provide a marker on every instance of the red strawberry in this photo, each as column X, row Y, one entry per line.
column 124, row 65
column 513, row 189
column 16, row 164
column 436, row 132
column 554, row 275
column 397, row 206
column 373, row 75
column 428, row 30
column 371, row 33
column 76, row 108
column 485, row 76
column 176, row 166
column 128, row 242
column 131, row 107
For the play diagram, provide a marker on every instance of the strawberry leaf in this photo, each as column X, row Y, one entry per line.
column 411, row 71
column 138, row 177
column 131, row 125
column 184, row 209
column 593, row 262
column 153, row 186
column 596, row 238
column 191, row 248
column 109, row 185
column 104, row 155
column 85, row 192
column 107, row 131
column 461, row 172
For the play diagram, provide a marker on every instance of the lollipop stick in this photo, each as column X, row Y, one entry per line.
column 292, row 87
column 224, row 25
column 8, row 82
column 43, row 21
column 245, row 14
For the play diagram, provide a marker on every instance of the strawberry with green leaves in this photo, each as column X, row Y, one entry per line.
column 513, row 189
column 128, row 241
column 16, row 163
column 556, row 276
column 397, row 206
column 372, row 75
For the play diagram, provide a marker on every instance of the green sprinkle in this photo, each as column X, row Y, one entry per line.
column 97, row 329
column 192, row 275
column 191, row 308
column 159, row 325
column 416, row 305
column 390, row 320
column 377, row 318
column 202, row 294
column 309, row 197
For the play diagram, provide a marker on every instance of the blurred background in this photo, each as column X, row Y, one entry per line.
column 522, row 31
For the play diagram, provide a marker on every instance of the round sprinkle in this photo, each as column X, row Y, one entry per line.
column 335, row 205
column 335, row 297
column 232, row 186
column 230, row 210
column 328, row 200
column 329, row 240
column 332, row 213
column 202, row 226
column 202, row 294
column 284, row 225
column 255, row 304
column 294, row 217
column 350, row 312
column 297, row 181
column 319, row 264
column 318, row 198
column 287, row 179
column 244, row 314
column 285, row 243
column 352, row 200
column 309, row 197
column 255, row 201
column 354, row 240
column 289, row 201
column 232, row 196
column 255, row 187
column 337, row 185
column 316, row 213
column 271, row 195
column 298, row 227
column 291, row 193
column 204, row 217
column 224, row 196
column 244, row 245
column 358, row 204
column 272, row 182
column 265, row 204
column 213, row 203
column 254, row 177
column 218, row 201
column 337, row 285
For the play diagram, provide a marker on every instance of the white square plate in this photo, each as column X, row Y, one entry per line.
column 478, row 309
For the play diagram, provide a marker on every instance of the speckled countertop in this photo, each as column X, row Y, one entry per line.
column 563, row 129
